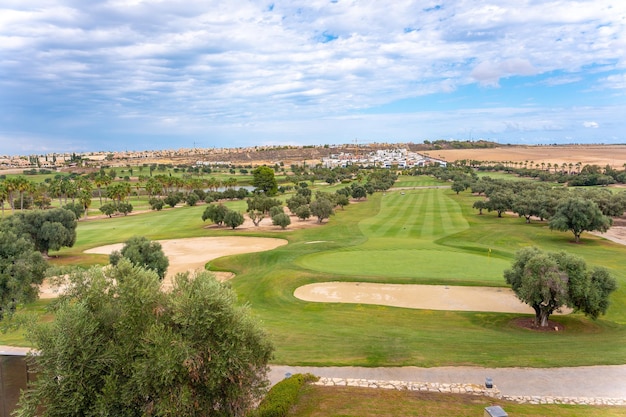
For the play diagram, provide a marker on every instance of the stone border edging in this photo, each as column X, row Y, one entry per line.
column 471, row 389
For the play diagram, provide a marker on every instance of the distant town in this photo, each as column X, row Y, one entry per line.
column 374, row 155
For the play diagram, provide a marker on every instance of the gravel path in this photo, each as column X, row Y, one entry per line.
column 583, row 381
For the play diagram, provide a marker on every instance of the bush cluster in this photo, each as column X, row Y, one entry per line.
column 282, row 396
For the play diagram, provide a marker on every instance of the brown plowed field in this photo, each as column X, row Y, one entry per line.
column 613, row 155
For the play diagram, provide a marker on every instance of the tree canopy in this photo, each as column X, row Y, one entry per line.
column 548, row 281
column 578, row 215
column 47, row 229
column 264, row 180
column 22, row 270
column 141, row 251
column 119, row 346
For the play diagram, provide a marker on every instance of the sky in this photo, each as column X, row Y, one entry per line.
column 115, row 75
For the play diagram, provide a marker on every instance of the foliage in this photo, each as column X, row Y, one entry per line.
column 282, row 396
column 297, row 201
column 108, row 209
column 549, row 281
column 276, row 210
column 303, row 212
column 75, row 208
column 119, row 346
column 192, row 199
column 215, row 213
column 143, row 252
column 262, row 203
column 281, row 219
column 233, row 219
column 47, row 229
column 321, row 208
column 156, row 204
column 172, row 199
column 579, row 215
column 264, row 180
column 124, row 207
column 22, row 270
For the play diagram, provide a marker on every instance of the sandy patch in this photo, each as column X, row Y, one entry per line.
column 426, row 297
column 600, row 155
column 615, row 234
column 189, row 254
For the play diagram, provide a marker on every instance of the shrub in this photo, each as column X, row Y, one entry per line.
column 156, row 204
column 282, row 396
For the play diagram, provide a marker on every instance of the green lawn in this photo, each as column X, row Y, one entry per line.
column 317, row 401
column 424, row 235
column 401, row 244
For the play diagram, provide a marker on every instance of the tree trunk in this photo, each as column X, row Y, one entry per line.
column 541, row 315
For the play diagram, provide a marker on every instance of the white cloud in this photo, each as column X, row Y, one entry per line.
column 209, row 60
column 591, row 125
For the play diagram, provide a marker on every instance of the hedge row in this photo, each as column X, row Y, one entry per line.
column 282, row 396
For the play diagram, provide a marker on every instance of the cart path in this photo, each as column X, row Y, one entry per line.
column 584, row 381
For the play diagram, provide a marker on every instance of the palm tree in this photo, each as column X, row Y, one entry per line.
column 23, row 185
column 4, row 194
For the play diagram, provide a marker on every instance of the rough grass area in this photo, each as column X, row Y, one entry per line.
column 318, row 401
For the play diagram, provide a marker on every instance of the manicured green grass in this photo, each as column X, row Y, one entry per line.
column 417, row 181
column 446, row 230
column 400, row 244
column 318, row 401
column 341, row 334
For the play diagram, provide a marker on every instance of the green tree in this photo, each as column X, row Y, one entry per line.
column 215, row 213
column 47, row 229
column 480, row 205
column 108, row 209
column 233, row 219
column 156, row 204
column 281, row 219
column 303, row 212
column 579, row 215
column 119, row 346
column 458, row 186
column 548, row 281
column 22, row 270
column 296, row 201
column 264, row 180
column 143, row 252
column 500, row 201
column 321, row 208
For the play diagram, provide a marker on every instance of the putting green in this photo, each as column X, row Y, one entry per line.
column 407, row 263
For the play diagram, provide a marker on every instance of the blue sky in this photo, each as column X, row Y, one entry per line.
column 79, row 75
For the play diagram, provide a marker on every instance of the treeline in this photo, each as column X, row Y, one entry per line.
column 565, row 209
column 301, row 204
column 25, row 239
column 572, row 174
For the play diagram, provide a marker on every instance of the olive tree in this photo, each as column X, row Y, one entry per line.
column 47, row 229
column 321, row 208
column 579, row 215
column 233, row 219
column 548, row 281
column 143, row 252
column 119, row 346
column 22, row 270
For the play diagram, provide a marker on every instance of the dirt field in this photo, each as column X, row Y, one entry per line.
column 613, row 155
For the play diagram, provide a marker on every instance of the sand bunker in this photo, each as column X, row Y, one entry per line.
column 427, row 297
column 191, row 254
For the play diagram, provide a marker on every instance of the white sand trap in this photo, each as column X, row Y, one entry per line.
column 191, row 254
column 426, row 297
